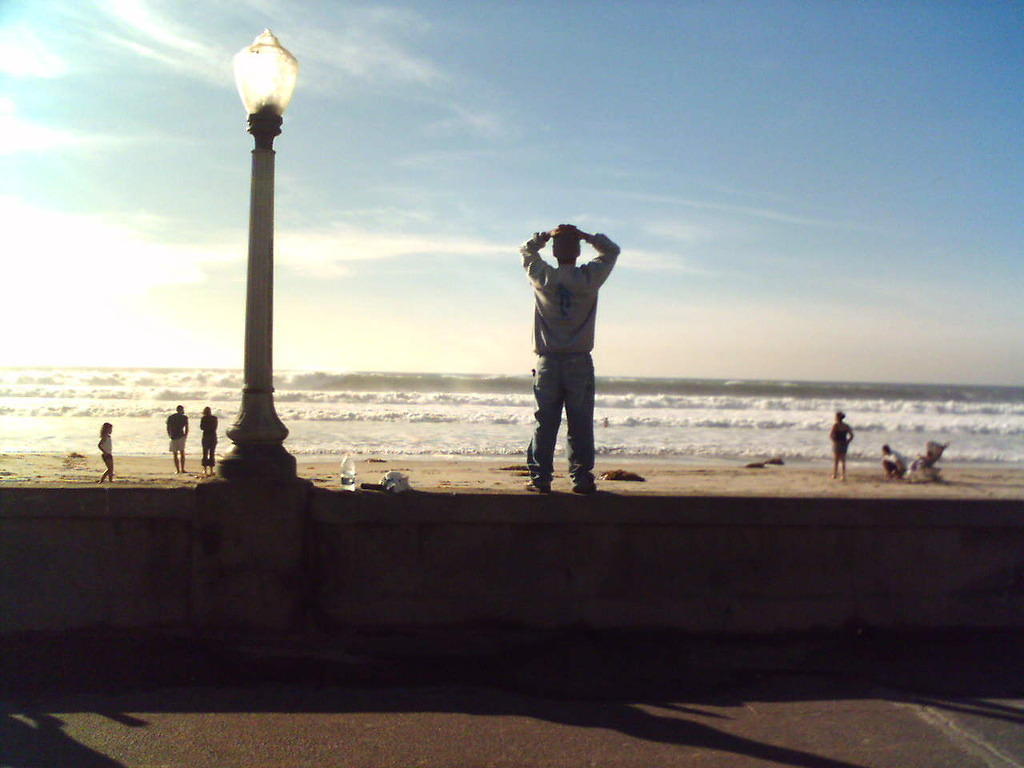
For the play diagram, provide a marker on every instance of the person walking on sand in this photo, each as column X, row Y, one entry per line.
column 177, row 430
column 565, row 310
column 208, row 426
column 841, row 436
column 107, row 451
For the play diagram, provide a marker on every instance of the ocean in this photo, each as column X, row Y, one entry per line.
column 59, row 410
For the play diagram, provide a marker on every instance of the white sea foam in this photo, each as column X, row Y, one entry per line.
column 46, row 410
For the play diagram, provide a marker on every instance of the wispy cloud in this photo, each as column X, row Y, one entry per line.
column 364, row 53
column 20, row 135
column 24, row 54
column 148, row 31
column 376, row 48
column 444, row 158
column 81, row 258
column 481, row 122
column 681, row 232
column 365, row 47
column 75, row 254
column 87, row 288
column 362, row 48
column 328, row 253
column 766, row 214
column 661, row 261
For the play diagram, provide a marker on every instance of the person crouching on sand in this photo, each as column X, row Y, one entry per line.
column 894, row 463
column 107, row 451
column 841, row 436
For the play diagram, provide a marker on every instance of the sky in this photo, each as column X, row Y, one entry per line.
column 801, row 190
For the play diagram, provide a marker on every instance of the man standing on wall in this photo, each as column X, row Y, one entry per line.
column 177, row 430
column 563, row 336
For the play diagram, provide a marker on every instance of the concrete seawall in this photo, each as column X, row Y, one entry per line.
column 235, row 555
column 77, row 558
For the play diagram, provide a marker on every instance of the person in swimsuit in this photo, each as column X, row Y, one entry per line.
column 107, row 451
column 841, row 436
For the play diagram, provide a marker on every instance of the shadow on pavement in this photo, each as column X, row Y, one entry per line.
column 37, row 740
column 584, row 679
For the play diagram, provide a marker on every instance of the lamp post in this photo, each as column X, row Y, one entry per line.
column 265, row 74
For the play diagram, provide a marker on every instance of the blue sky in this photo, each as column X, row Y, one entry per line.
column 802, row 190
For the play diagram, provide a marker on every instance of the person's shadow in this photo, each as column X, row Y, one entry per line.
column 38, row 740
column 630, row 685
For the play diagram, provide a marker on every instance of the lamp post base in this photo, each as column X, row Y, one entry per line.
column 257, row 461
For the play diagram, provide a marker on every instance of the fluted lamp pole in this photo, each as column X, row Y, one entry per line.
column 265, row 74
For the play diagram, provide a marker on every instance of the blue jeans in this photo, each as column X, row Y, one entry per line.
column 563, row 382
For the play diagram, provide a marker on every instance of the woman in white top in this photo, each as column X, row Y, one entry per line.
column 107, row 450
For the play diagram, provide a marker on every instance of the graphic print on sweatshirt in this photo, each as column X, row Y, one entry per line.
column 564, row 300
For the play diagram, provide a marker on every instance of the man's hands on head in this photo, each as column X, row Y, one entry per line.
column 543, row 237
column 538, row 240
column 584, row 236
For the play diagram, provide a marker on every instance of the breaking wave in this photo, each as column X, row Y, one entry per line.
column 493, row 415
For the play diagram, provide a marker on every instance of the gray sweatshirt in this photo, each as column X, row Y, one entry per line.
column 566, row 298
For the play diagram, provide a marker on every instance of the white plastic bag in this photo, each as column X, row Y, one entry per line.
column 395, row 482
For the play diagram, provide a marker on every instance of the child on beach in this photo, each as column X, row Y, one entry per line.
column 107, row 451
column 841, row 436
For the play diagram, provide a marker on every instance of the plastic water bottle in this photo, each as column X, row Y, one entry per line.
column 348, row 474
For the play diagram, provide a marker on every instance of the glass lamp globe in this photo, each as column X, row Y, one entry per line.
column 265, row 73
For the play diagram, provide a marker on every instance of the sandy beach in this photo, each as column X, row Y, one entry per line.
column 506, row 475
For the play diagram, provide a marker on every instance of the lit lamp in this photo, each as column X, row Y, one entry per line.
column 265, row 74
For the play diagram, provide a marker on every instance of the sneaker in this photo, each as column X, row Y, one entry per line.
column 537, row 487
column 584, row 489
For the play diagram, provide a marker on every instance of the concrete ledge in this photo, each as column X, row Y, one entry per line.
column 720, row 511
column 714, row 564
column 94, row 557
column 252, row 555
column 100, row 501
